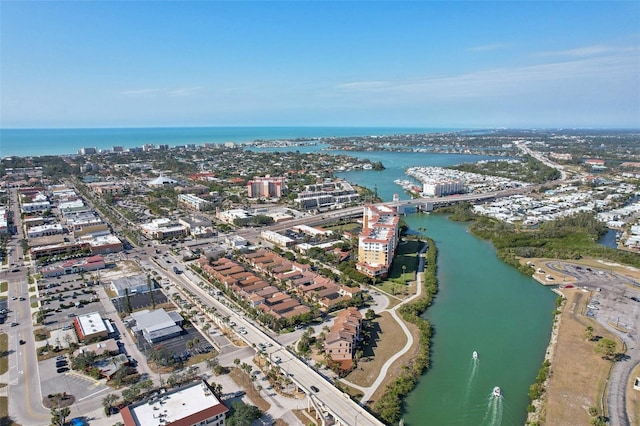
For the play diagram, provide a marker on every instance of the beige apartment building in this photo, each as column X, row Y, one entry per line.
column 378, row 240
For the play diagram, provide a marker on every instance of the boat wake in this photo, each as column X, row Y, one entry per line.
column 474, row 367
column 493, row 416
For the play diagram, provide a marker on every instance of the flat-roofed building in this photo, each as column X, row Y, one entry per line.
column 45, row 230
column 87, row 224
column 134, row 284
column 194, row 201
column 189, row 405
column 157, row 325
column 35, row 207
column 277, row 239
column 102, row 244
column 90, row 326
column 163, row 228
column 327, row 195
column 438, row 188
column 74, row 266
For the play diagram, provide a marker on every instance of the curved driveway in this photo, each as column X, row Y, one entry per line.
column 370, row 390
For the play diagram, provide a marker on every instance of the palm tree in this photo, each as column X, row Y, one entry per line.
column 150, row 288
column 107, row 402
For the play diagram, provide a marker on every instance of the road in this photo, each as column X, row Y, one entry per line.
column 23, row 376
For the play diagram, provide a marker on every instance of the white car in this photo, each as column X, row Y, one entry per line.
column 243, row 331
column 277, row 359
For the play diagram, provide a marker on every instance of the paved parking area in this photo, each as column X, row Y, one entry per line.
column 611, row 301
column 178, row 345
column 80, row 387
column 140, row 301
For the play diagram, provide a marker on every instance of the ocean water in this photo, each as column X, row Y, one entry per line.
column 35, row 142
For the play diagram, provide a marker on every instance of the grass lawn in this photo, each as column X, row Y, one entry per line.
column 575, row 386
column 401, row 280
column 4, row 353
column 405, row 262
column 386, row 339
column 351, row 227
column 4, row 286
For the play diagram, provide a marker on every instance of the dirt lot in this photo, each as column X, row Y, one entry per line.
column 578, row 373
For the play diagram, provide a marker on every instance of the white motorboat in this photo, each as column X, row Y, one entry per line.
column 475, row 355
column 497, row 392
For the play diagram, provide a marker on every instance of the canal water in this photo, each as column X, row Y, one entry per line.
column 486, row 306
column 483, row 305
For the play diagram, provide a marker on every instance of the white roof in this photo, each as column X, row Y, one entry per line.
column 91, row 323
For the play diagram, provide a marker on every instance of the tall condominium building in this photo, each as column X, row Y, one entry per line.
column 378, row 240
column 266, row 187
column 437, row 188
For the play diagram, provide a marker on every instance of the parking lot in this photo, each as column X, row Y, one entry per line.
column 79, row 386
column 614, row 296
column 178, row 345
column 64, row 297
column 139, row 301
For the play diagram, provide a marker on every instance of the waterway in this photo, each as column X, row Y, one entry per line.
column 486, row 306
column 483, row 305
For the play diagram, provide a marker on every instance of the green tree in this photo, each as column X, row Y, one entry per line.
column 150, row 288
column 107, row 403
column 83, row 361
column 606, row 347
column 59, row 415
column 588, row 333
column 243, row 414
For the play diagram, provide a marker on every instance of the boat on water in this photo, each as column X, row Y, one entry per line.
column 475, row 355
column 497, row 392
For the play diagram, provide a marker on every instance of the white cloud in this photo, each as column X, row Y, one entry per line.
column 185, row 91
column 588, row 51
column 506, row 81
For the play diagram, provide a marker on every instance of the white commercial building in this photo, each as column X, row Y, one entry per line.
column 193, row 404
column 194, row 201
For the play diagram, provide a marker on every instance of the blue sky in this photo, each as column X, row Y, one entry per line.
column 357, row 63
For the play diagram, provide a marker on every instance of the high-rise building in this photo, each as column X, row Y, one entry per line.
column 378, row 240
column 266, row 187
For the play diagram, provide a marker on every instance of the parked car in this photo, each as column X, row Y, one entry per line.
column 62, row 369
column 315, row 389
column 13, row 324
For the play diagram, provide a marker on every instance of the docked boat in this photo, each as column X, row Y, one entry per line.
column 475, row 355
column 497, row 392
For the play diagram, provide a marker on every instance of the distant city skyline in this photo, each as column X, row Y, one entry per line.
column 483, row 64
